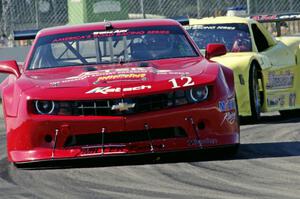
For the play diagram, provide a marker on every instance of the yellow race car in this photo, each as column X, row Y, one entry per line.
column 266, row 69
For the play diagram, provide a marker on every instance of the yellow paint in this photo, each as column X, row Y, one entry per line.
column 282, row 57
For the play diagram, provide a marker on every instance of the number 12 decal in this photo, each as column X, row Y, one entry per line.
column 188, row 82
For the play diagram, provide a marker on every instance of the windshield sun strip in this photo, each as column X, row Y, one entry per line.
column 107, row 49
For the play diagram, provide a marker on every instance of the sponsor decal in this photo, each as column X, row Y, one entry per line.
column 111, row 33
column 108, row 72
column 210, row 27
column 282, row 100
column 131, row 76
column 85, row 75
column 276, row 100
column 209, row 141
column 130, row 73
column 230, row 117
column 292, row 99
column 72, row 38
column 280, row 80
column 109, row 89
column 206, row 141
column 276, row 17
column 93, row 150
column 264, row 17
column 194, row 142
column 225, row 106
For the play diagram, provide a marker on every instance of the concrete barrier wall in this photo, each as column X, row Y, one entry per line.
column 16, row 53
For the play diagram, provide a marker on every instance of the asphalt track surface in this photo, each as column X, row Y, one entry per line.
column 266, row 166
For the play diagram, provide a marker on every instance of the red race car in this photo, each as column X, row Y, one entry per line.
column 113, row 88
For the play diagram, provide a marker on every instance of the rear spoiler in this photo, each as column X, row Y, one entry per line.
column 276, row 17
column 25, row 34
column 279, row 19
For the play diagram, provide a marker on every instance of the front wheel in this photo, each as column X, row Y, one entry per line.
column 255, row 95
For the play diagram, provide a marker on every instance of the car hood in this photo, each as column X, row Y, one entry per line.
column 120, row 80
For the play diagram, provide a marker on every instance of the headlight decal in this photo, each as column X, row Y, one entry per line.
column 44, row 107
column 197, row 94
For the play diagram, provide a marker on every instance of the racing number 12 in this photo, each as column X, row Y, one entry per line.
column 188, row 82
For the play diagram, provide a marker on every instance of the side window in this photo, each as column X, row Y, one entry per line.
column 259, row 38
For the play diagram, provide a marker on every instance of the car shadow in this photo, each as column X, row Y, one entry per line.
column 246, row 151
column 273, row 119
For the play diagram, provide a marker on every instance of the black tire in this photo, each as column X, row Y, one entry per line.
column 255, row 94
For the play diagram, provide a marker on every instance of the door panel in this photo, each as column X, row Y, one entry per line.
column 279, row 79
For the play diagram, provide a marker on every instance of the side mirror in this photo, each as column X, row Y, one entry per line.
column 213, row 50
column 10, row 67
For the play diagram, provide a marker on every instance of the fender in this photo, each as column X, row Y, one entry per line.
column 240, row 64
column 11, row 98
column 229, row 77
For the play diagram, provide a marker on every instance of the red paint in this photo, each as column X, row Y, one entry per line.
column 27, row 131
column 213, row 50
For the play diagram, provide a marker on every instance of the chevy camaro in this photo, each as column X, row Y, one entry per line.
column 265, row 68
column 113, row 88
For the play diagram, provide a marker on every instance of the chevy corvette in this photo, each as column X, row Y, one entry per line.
column 265, row 68
column 114, row 88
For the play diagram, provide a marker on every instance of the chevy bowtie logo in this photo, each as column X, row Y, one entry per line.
column 123, row 106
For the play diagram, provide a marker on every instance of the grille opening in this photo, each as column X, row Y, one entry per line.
column 125, row 137
column 142, row 104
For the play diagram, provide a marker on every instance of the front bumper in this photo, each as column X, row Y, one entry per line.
column 44, row 137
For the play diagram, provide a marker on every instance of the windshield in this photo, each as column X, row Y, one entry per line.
column 111, row 46
column 236, row 37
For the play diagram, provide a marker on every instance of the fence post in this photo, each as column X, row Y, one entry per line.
column 36, row 14
column 5, row 16
column 198, row 8
column 142, row 8
column 248, row 7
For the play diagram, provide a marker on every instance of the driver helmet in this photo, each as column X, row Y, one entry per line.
column 241, row 43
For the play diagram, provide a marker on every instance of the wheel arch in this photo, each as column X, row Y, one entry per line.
column 256, row 63
column 256, row 90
